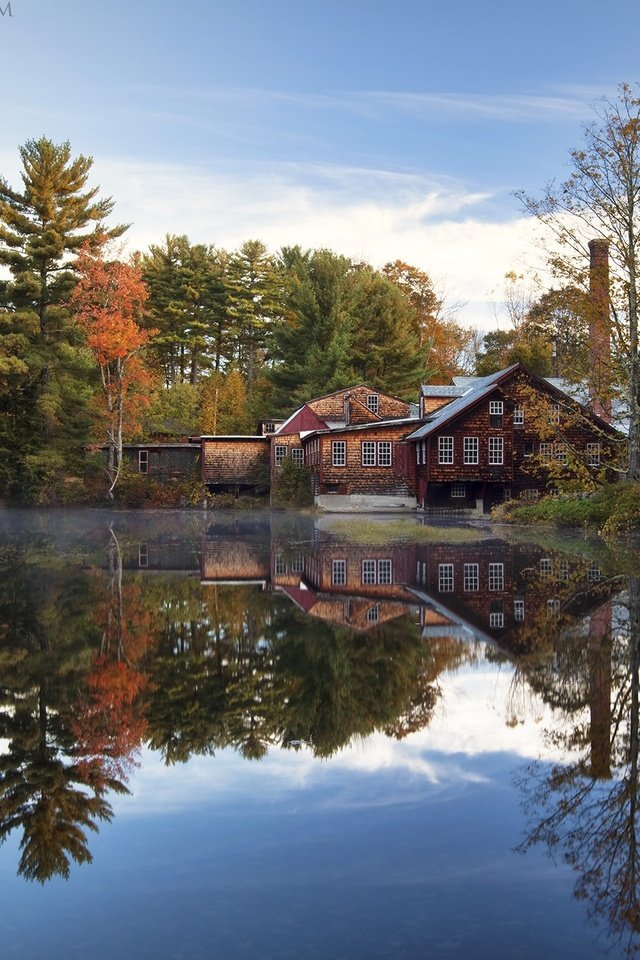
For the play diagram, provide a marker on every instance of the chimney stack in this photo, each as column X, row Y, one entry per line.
column 599, row 329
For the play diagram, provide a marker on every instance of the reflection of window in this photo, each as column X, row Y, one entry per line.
column 297, row 564
column 470, row 449
column 458, row 489
column 373, row 614
column 143, row 461
column 518, row 416
column 297, row 455
column 143, row 555
column 496, row 450
column 518, row 610
column 530, row 495
column 594, row 573
column 496, row 576
column 546, row 568
column 553, row 607
column 280, row 454
column 372, row 402
column 471, row 576
column 445, row 449
column 496, row 619
column 445, row 577
column 338, row 573
column 338, row 453
column 563, row 570
column 279, row 565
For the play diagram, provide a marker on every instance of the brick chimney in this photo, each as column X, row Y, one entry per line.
column 599, row 329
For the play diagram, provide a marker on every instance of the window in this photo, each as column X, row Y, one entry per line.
column 546, row 451
column 368, row 453
column 297, row 455
column 279, row 565
column 563, row 570
column 471, row 576
column 561, row 452
column 269, row 427
column 518, row 416
column 297, row 564
column 143, row 461
column 338, row 453
column 496, row 619
column 554, row 413
column 385, row 571
column 518, row 610
column 445, row 449
column 280, row 454
column 593, row 454
column 368, row 571
column 470, row 449
column 594, row 573
column 546, row 568
column 143, row 555
column 458, row 490
column 384, row 453
column 496, row 576
column 530, row 495
column 445, row 577
column 373, row 614
column 529, row 448
column 496, row 409
column 373, row 402
column 553, row 607
column 424, row 451
column 496, row 450
column 338, row 573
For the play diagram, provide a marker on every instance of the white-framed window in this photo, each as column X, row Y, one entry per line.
column 496, row 408
column 384, row 453
column 470, row 447
column 546, row 568
column 338, row 453
column 385, row 571
column 518, row 416
column 143, row 555
column 561, row 452
column 445, row 577
column 496, row 576
column 368, row 571
column 373, row 614
column 563, row 570
column 424, row 451
column 368, row 448
column 471, row 577
column 458, row 489
column 496, row 619
column 280, row 454
column 338, row 573
column 518, row 610
column 593, row 454
column 143, row 461
column 297, row 564
column 269, row 427
column 546, row 451
column 496, row 450
column 445, row 449
column 279, row 565
column 297, row 455
column 373, row 402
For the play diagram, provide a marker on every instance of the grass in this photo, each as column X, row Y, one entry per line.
column 375, row 531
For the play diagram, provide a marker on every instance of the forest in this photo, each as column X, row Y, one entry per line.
column 98, row 347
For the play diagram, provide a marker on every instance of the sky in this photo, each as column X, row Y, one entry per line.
column 379, row 130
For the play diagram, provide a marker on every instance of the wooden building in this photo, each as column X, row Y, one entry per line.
column 235, row 463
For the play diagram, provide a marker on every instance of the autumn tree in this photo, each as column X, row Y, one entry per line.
column 44, row 375
column 107, row 302
column 601, row 200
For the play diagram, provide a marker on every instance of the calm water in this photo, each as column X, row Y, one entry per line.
column 250, row 737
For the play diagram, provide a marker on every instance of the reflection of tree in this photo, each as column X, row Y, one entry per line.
column 578, row 811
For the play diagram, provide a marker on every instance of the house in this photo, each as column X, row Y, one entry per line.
column 235, row 463
column 510, row 434
column 161, row 461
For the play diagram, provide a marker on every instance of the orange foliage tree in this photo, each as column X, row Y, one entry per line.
column 108, row 303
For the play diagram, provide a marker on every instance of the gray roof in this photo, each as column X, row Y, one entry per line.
column 479, row 387
column 437, row 390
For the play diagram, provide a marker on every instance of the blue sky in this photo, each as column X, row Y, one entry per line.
column 378, row 130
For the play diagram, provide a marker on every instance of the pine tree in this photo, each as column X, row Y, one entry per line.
column 44, row 373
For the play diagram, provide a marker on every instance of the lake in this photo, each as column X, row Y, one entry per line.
column 251, row 735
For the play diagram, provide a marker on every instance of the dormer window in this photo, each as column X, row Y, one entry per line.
column 373, row 402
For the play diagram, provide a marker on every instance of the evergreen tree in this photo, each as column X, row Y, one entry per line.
column 44, row 373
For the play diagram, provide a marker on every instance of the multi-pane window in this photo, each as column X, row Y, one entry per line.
column 518, row 610
column 368, row 571
column 373, row 402
column 496, row 409
column 594, row 573
column 269, row 427
column 280, row 454
column 530, row 495
column 297, row 564
column 546, row 568
column 297, row 455
column 546, row 451
column 279, row 565
column 143, row 461
column 385, row 571
column 445, row 577
column 563, row 570
column 553, row 607
column 338, row 453
column 496, row 619
column 458, row 489
column 561, row 452
column 373, row 614
column 143, row 555
column 518, row 416
column 555, row 413
column 471, row 576
column 368, row 453
column 470, row 447
column 384, row 453
column 377, row 571
column 593, row 454
column 445, row 449
column 338, row 573
column 496, row 576
column 496, row 450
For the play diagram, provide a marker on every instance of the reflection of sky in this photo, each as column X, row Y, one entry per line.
column 386, row 850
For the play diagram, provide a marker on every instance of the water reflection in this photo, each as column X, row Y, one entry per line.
column 192, row 635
